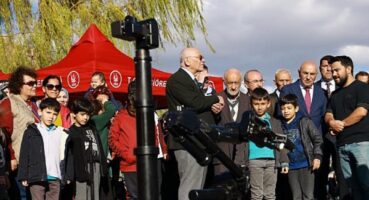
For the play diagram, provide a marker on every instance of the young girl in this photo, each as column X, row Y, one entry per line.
column 85, row 159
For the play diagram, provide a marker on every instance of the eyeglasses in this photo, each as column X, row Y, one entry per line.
column 256, row 81
column 51, row 87
column 201, row 58
column 31, row 83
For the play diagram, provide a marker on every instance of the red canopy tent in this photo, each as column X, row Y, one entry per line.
column 3, row 76
column 94, row 52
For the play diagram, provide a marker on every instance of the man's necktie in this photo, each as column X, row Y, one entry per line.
column 233, row 112
column 232, row 105
column 328, row 84
column 308, row 100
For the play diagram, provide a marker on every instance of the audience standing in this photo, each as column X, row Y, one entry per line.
column 63, row 97
column 282, row 77
column 17, row 111
column 347, row 117
column 123, row 141
column 253, row 79
column 42, row 154
column 183, row 91
column 235, row 104
column 362, row 76
column 310, row 97
column 306, row 157
column 51, row 87
column 263, row 159
column 85, row 159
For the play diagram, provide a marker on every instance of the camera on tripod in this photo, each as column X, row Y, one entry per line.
column 146, row 32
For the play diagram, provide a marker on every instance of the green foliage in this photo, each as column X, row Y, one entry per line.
column 40, row 33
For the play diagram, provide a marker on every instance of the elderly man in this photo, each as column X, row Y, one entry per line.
column 235, row 104
column 311, row 98
column 312, row 101
column 282, row 77
column 183, row 91
column 348, row 119
column 253, row 79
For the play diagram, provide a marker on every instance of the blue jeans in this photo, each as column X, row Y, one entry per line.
column 354, row 160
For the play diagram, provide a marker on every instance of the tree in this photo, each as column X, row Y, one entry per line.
column 38, row 33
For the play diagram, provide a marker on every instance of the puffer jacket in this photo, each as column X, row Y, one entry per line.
column 312, row 140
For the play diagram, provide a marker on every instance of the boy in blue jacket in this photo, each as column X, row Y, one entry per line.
column 306, row 156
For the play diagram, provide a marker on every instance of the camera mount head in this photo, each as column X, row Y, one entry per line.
column 145, row 33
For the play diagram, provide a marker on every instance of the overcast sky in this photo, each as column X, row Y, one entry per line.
column 268, row 35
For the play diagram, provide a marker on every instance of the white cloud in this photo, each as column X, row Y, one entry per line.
column 268, row 34
column 358, row 53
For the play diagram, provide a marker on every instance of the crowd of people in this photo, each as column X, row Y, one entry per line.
column 53, row 148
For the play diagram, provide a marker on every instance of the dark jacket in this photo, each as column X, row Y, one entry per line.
column 311, row 140
column 242, row 151
column 32, row 164
column 76, row 159
column 182, row 91
column 318, row 103
column 224, row 118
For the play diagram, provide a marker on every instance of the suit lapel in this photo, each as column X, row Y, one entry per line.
column 188, row 78
column 242, row 106
column 300, row 98
column 226, row 110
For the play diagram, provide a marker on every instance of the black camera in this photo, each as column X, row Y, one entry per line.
column 146, row 33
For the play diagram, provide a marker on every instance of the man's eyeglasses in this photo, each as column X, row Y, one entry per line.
column 256, row 81
column 201, row 58
column 31, row 83
column 51, row 87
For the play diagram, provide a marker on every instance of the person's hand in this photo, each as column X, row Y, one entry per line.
column 216, row 108
column 25, row 183
column 13, row 165
column 68, row 182
column 336, row 126
column 221, row 100
column 166, row 156
column 316, row 164
column 102, row 98
column 284, row 170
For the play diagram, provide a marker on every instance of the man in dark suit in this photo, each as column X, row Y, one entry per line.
column 235, row 104
column 311, row 98
column 282, row 77
column 326, row 82
column 183, row 91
